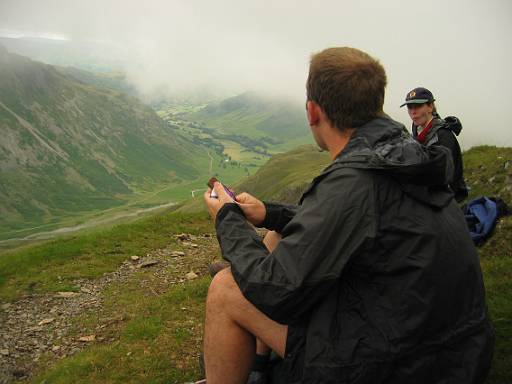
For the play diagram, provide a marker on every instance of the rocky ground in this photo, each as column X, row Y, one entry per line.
column 38, row 329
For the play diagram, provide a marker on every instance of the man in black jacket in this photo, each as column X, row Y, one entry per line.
column 375, row 278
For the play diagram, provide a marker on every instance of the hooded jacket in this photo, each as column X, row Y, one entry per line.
column 376, row 275
column 443, row 133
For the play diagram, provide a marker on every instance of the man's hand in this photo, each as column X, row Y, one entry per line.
column 254, row 209
column 215, row 204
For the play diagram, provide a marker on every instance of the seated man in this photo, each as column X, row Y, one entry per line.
column 375, row 278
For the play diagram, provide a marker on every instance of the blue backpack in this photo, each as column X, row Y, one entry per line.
column 482, row 214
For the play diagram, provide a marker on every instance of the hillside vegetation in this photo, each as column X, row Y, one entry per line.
column 78, row 148
column 266, row 125
column 276, row 119
column 283, row 178
column 158, row 313
column 69, row 147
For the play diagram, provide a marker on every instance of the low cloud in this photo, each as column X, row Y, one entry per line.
column 457, row 49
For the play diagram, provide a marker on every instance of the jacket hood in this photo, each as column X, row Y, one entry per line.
column 385, row 145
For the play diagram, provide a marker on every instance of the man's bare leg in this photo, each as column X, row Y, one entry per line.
column 231, row 322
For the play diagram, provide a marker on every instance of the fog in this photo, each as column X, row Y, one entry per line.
column 460, row 50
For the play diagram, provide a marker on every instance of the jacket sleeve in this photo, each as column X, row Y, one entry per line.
column 277, row 216
column 447, row 139
column 334, row 223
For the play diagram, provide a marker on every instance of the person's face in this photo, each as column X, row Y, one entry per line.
column 420, row 114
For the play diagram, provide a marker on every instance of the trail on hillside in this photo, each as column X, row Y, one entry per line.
column 211, row 162
column 37, row 330
column 89, row 224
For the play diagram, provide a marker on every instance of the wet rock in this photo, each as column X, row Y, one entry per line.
column 149, row 263
column 183, row 236
column 46, row 321
column 67, row 294
column 19, row 373
column 87, row 339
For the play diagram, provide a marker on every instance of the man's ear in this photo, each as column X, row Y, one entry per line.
column 313, row 112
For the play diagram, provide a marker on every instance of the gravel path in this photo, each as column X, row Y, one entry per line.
column 38, row 329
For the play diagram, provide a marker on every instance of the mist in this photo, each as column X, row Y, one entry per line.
column 460, row 50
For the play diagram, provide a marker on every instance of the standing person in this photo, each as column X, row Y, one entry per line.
column 429, row 129
column 375, row 278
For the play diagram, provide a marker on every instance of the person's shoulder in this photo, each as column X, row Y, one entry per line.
column 340, row 188
column 439, row 132
column 346, row 180
column 342, row 172
column 445, row 135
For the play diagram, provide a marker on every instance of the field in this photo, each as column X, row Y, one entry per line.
column 148, row 322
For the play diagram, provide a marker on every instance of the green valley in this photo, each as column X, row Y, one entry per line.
column 78, row 148
column 247, row 128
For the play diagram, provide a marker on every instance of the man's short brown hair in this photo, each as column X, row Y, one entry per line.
column 348, row 84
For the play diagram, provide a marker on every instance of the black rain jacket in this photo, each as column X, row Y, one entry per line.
column 443, row 132
column 376, row 274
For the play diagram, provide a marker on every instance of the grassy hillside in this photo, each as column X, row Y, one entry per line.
column 68, row 147
column 267, row 124
column 488, row 171
column 283, row 178
column 76, row 146
column 156, row 336
column 114, row 80
column 148, row 328
column 260, row 116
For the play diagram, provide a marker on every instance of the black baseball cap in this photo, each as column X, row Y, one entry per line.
column 419, row 96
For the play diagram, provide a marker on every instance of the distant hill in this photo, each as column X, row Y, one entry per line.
column 114, row 80
column 488, row 171
column 68, row 146
column 278, row 122
column 285, row 176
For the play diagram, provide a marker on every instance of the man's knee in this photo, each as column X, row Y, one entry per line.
column 223, row 288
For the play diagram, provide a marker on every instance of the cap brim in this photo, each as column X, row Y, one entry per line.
column 415, row 101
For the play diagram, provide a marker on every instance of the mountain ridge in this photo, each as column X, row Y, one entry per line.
column 70, row 146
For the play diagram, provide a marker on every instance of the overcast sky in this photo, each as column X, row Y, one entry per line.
column 460, row 50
